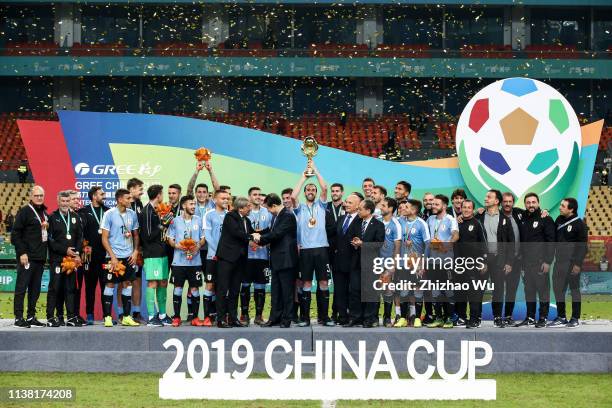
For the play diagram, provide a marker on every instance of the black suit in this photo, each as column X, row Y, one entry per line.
column 358, row 310
column 232, row 255
column 343, row 259
column 282, row 237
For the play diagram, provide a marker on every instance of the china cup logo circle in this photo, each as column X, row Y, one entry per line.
column 519, row 135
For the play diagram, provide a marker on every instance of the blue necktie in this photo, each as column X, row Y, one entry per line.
column 346, row 224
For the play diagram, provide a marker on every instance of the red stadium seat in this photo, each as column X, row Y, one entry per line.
column 109, row 50
column 31, row 48
column 172, row 49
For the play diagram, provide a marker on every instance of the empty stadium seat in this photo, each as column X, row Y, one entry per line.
column 178, row 49
column 108, row 50
column 552, row 51
column 31, row 48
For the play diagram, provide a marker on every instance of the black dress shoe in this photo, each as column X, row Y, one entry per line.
column 237, row 323
column 285, row 324
column 353, row 323
column 223, row 325
column 370, row 324
column 270, row 323
column 341, row 322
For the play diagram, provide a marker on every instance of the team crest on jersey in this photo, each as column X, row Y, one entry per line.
column 535, row 224
column 471, row 228
column 569, row 228
column 74, row 220
column 520, row 216
column 413, row 230
column 388, row 231
column 443, row 228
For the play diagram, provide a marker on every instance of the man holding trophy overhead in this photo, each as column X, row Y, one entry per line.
column 312, row 238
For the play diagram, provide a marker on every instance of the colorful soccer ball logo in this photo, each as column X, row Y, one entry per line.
column 519, row 135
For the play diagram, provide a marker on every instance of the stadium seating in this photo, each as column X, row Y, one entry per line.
column 102, row 50
column 12, row 151
column 598, row 215
column 254, row 49
column 552, row 51
column 176, row 49
column 446, row 133
column 332, row 50
column 606, row 138
column 402, row 51
column 486, row 51
column 31, row 48
column 12, row 195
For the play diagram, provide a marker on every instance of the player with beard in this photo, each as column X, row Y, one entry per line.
column 444, row 232
column 538, row 235
column 572, row 236
column 428, row 304
column 257, row 263
column 92, row 215
column 213, row 223
column 335, row 205
column 186, row 267
column 312, row 240
column 379, row 193
column 415, row 239
column 427, row 204
column 390, row 249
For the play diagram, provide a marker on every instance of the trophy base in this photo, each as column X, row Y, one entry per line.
column 309, row 173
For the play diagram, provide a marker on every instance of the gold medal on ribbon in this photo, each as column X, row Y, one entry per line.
column 312, row 222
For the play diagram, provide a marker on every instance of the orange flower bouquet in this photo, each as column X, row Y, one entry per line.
column 70, row 264
column 166, row 217
column 203, row 154
column 189, row 247
column 436, row 244
column 86, row 254
column 119, row 270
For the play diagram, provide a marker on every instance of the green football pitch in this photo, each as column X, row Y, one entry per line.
column 141, row 390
